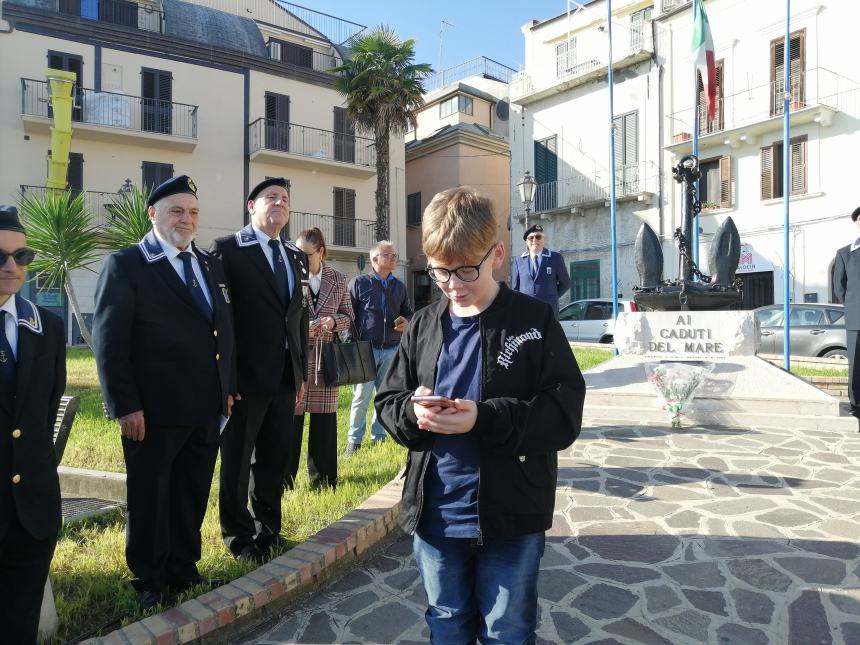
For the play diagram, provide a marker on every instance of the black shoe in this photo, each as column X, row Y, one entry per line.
column 377, row 442
column 251, row 553
column 148, row 599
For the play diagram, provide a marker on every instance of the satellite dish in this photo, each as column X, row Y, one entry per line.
column 503, row 110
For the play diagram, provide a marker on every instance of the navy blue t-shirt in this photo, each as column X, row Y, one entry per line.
column 451, row 482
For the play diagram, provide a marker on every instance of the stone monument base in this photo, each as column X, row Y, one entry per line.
column 742, row 391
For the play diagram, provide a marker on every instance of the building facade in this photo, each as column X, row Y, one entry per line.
column 461, row 139
column 560, row 134
column 227, row 93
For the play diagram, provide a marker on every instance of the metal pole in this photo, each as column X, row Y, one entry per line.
column 694, row 215
column 612, row 208
column 786, row 189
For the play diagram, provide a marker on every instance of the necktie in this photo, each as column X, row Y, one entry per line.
column 193, row 286
column 534, row 266
column 279, row 269
column 7, row 357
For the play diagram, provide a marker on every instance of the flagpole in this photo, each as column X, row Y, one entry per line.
column 612, row 209
column 786, row 189
column 695, row 214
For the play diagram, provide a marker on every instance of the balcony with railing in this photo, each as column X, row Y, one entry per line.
column 147, row 16
column 480, row 66
column 98, row 204
column 670, row 5
column 290, row 17
column 633, row 182
column 583, row 59
column 111, row 116
column 815, row 96
column 346, row 232
column 301, row 146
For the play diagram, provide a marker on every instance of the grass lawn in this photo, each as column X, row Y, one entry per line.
column 814, row 371
column 589, row 357
column 88, row 572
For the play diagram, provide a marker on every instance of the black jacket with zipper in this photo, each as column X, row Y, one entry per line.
column 532, row 396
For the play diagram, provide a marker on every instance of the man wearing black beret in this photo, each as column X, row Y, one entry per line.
column 539, row 272
column 32, row 379
column 265, row 276
column 163, row 339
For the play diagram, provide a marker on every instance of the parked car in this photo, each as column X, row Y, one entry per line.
column 591, row 320
column 816, row 330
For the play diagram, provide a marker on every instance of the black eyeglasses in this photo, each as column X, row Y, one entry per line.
column 22, row 257
column 465, row 273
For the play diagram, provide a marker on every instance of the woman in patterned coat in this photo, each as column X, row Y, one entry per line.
column 329, row 312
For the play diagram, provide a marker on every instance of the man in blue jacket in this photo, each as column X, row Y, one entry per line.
column 382, row 312
column 539, row 272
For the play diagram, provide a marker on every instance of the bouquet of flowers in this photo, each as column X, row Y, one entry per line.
column 676, row 383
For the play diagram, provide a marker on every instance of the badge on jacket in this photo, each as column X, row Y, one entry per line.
column 549, row 270
column 225, row 292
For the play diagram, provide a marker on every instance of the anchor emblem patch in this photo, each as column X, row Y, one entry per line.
column 3, row 356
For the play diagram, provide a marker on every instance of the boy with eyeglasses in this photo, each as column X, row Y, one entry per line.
column 483, row 391
column 32, row 379
column 539, row 272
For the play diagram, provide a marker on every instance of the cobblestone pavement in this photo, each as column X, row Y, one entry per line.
column 660, row 536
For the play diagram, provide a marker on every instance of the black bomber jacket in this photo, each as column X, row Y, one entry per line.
column 532, row 396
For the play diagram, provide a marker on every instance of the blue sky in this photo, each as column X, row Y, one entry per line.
column 482, row 28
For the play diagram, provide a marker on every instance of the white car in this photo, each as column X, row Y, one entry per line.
column 591, row 320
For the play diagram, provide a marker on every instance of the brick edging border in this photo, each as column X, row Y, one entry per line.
column 269, row 587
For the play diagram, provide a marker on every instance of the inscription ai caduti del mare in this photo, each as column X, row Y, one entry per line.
column 691, row 290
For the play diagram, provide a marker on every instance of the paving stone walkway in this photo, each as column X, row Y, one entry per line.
column 660, row 536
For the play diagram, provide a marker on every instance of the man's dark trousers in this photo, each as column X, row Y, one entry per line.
column 267, row 421
column 163, row 550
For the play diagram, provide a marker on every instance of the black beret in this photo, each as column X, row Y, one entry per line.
column 9, row 219
column 271, row 181
column 537, row 228
column 174, row 186
column 855, row 214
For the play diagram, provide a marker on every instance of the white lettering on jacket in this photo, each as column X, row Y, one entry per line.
column 512, row 346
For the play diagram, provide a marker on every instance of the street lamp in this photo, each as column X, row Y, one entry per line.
column 527, row 190
column 126, row 187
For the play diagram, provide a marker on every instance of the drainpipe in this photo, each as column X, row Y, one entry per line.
column 60, row 86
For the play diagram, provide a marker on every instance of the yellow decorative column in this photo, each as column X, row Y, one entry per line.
column 60, row 86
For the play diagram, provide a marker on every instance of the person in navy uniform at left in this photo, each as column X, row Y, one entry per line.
column 539, row 272
column 265, row 275
column 163, row 340
column 32, row 379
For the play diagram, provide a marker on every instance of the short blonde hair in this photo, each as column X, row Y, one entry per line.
column 458, row 224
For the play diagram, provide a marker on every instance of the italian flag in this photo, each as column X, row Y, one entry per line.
column 702, row 49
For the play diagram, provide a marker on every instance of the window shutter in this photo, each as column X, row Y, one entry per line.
column 631, row 138
column 349, row 204
column 165, row 87
column 75, row 172
column 725, row 182
column 271, row 107
column 338, row 202
column 148, row 84
column 560, row 59
column 798, row 167
column 767, row 172
column 618, row 144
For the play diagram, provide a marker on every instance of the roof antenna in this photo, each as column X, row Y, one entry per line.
column 441, row 33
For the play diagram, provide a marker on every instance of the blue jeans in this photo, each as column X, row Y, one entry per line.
column 361, row 395
column 487, row 591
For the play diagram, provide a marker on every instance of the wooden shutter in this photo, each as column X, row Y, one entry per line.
column 277, row 107
column 297, row 55
column 560, row 59
column 75, row 172
column 413, row 209
column 767, row 172
column 725, row 182
column 797, row 60
column 798, row 166
column 155, row 173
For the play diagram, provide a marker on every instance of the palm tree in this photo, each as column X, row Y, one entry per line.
column 129, row 221
column 383, row 90
column 60, row 230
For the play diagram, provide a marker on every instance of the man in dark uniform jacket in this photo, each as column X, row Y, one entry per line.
column 846, row 283
column 539, row 272
column 32, row 379
column 163, row 339
column 265, row 277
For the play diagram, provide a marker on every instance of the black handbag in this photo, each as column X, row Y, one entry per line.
column 348, row 363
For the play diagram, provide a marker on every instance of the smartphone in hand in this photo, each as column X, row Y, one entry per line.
column 431, row 400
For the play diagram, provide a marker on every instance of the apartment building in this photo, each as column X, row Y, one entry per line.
column 560, row 134
column 461, row 139
column 227, row 92
column 560, row 129
column 741, row 150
